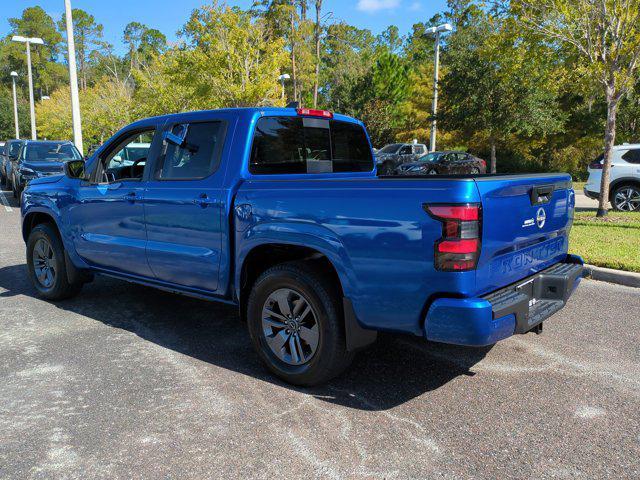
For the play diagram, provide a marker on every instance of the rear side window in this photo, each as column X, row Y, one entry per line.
column 309, row 145
column 198, row 156
column 632, row 156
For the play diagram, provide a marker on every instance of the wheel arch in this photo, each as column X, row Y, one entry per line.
column 266, row 255
column 618, row 182
column 35, row 218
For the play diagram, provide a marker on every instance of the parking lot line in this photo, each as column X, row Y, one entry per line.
column 5, row 202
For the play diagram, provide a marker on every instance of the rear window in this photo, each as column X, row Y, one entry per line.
column 632, row 156
column 309, row 145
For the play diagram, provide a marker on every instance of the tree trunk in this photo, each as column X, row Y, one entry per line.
column 317, row 80
column 493, row 156
column 294, row 79
column 609, row 142
column 303, row 10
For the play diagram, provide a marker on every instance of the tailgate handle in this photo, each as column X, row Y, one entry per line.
column 541, row 194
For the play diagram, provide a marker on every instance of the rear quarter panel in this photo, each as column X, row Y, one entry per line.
column 374, row 231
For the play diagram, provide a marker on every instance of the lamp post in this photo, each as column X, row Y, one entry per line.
column 445, row 27
column 73, row 79
column 282, row 78
column 32, row 110
column 14, row 77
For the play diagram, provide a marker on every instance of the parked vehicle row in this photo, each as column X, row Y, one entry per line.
column 24, row 160
column 413, row 159
column 624, row 186
column 447, row 162
column 391, row 156
column 280, row 212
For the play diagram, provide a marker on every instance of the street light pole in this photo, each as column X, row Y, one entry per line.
column 32, row 109
column 14, row 76
column 73, row 79
column 282, row 78
column 436, row 70
column 434, row 109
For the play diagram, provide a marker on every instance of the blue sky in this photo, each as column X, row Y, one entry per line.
column 169, row 15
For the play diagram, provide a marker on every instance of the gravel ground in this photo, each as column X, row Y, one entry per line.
column 128, row 382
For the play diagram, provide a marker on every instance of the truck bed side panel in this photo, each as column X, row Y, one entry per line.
column 376, row 233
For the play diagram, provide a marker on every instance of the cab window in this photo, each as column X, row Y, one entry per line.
column 194, row 151
column 128, row 159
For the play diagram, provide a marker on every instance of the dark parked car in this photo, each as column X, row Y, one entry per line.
column 8, row 155
column 40, row 159
column 437, row 163
column 391, row 156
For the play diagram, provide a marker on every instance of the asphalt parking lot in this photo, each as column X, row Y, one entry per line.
column 128, row 382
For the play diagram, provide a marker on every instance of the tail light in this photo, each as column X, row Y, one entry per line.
column 310, row 112
column 458, row 249
column 484, row 164
column 595, row 165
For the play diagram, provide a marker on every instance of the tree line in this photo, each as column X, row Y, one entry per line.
column 510, row 92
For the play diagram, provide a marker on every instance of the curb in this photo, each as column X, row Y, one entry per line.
column 610, row 275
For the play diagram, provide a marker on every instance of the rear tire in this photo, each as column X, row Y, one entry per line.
column 432, row 171
column 386, row 169
column 46, row 264
column 308, row 349
column 626, row 198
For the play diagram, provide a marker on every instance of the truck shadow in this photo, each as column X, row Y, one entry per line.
column 6, row 198
column 393, row 371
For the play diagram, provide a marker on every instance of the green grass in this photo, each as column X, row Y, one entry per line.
column 612, row 241
column 579, row 186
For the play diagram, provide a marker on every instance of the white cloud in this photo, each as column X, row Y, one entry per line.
column 371, row 6
column 415, row 6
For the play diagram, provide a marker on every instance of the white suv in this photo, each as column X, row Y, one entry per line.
column 624, row 189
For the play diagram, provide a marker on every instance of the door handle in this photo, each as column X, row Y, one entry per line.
column 130, row 197
column 204, row 201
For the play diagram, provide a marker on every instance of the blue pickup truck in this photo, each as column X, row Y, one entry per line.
column 280, row 212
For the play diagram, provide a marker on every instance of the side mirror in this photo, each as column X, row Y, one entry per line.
column 74, row 169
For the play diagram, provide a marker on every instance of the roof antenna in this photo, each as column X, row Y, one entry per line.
column 295, row 105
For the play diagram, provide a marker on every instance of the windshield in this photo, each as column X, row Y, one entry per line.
column 50, row 152
column 430, row 157
column 392, row 148
column 14, row 148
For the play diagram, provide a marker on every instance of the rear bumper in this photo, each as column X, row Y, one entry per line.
column 511, row 310
column 590, row 194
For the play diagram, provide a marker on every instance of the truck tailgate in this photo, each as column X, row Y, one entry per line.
column 525, row 226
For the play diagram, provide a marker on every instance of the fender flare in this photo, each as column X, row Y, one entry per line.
column 311, row 236
column 53, row 212
column 326, row 243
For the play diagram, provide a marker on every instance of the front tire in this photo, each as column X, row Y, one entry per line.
column 296, row 325
column 386, row 169
column 46, row 264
